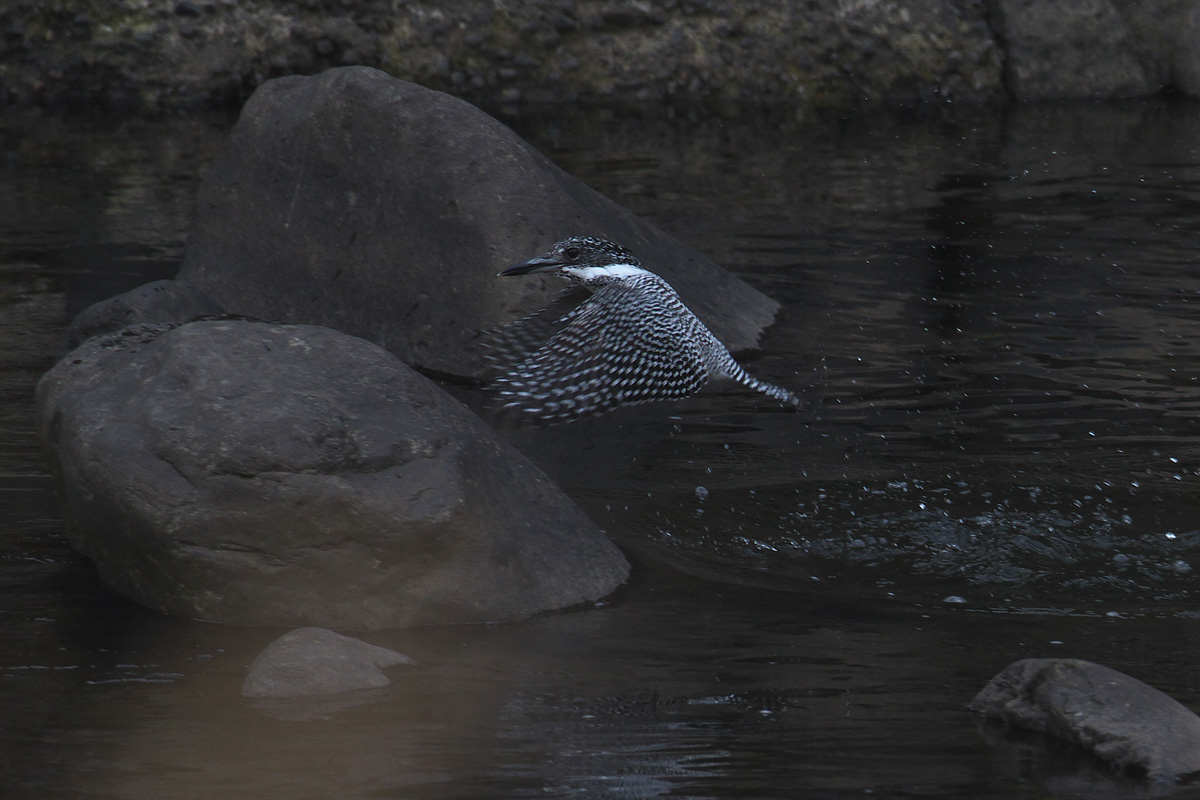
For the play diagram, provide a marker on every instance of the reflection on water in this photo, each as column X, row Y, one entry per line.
column 991, row 320
column 994, row 320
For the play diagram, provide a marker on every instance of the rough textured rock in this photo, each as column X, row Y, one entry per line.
column 1098, row 48
column 159, row 301
column 385, row 210
column 315, row 661
column 1120, row 719
column 1073, row 48
column 1168, row 31
column 292, row 475
column 804, row 55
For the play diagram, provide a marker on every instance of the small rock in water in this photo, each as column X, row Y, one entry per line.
column 701, row 493
column 954, row 599
column 316, row 661
column 1118, row 718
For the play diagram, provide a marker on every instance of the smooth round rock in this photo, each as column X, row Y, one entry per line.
column 383, row 209
column 261, row 474
column 316, row 661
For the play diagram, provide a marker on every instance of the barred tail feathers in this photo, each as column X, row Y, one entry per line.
column 734, row 371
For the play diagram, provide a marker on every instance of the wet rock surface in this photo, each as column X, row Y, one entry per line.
column 292, row 475
column 317, row 661
column 1121, row 720
column 385, row 210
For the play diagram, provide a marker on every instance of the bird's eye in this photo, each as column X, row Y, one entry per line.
column 571, row 252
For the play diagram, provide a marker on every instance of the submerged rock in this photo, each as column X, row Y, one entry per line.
column 264, row 474
column 1120, row 719
column 316, row 661
column 385, row 210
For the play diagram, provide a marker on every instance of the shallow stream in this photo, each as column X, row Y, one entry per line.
column 989, row 317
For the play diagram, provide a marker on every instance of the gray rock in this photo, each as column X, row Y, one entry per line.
column 385, row 210
column 283, row 475
column 1073, row 49
column 159, row 301
column 1118, row 718
column 316, row 661
column 813, row 57
column 1170, row 29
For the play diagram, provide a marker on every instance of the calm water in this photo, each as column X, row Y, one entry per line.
column 992, row 320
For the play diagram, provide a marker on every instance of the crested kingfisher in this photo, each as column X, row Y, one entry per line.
column 631, row 341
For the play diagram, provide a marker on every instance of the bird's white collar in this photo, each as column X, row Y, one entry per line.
column 617, row 271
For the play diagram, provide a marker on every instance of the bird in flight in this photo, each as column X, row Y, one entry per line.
column 631, row 340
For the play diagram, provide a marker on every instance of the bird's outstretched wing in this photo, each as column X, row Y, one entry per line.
column 611, row 351
column 508, row 346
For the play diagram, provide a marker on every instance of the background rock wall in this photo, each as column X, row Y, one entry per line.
column 809, row 54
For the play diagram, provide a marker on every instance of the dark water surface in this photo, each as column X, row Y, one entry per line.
column 992, row 320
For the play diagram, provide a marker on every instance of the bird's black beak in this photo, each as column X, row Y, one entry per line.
column 539, row 264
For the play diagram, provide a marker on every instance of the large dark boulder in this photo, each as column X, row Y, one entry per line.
column 383, row 209
column 1120, row 719
column 264, row 474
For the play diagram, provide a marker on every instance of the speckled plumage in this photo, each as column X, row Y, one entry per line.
column 632, row 341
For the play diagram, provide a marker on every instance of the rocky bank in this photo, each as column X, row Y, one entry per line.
column 810, row 56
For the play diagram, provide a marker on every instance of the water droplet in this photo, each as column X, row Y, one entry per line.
column 701, row 493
